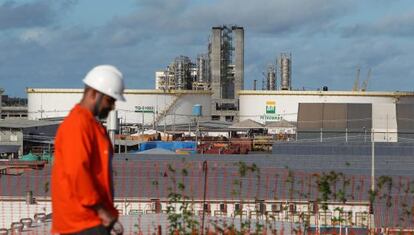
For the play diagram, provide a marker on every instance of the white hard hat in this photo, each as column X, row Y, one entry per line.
column 106, row 79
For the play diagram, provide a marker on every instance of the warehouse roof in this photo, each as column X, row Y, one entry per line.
column 329, row 93
column 9, row 148
column 205, row 125
column 281, row 123
column 22, row 123
column 126, row 91
column 128, row 142
column 247, row 124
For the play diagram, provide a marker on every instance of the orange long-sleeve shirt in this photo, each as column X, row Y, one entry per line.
column 81, row 174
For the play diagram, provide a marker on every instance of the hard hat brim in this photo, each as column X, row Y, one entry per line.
column 120, row 98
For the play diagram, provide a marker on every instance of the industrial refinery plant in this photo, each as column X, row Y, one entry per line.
column 221, row 71
column 270, row 160
column 215, row 83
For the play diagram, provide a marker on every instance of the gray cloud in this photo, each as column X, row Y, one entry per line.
column 159, row 18
column 336, row 65
column 272, row 16
column 14, row 15
column 67, row 4
column 394, row 25
column 149, row 38
column 40, row 13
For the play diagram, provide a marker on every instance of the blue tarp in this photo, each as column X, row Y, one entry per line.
column 189, row 146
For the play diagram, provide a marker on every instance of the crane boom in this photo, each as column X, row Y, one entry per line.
column 365, row 83
column 356, row 82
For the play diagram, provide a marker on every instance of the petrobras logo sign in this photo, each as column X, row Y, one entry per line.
column 270, row 112
column 270, row 107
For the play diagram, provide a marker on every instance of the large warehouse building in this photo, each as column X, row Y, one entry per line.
column 385, row 113
column 389, row 114
column 151, row 107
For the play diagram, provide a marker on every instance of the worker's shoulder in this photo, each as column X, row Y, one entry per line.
column 78, row 118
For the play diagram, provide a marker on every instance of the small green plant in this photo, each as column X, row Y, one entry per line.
column 387, row 191
column 330, row 187
column 46, row 187
column 338, row 219
column 182, row 221
column 327, row 185
column 290, row 180
column 243, row 169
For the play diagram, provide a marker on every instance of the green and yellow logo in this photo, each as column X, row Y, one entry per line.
column 270, row 107
column 270, row 114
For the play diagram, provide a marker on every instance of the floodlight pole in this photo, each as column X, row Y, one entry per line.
column 371, row 206
column 372, row 163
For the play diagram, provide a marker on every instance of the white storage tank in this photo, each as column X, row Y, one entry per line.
column 272, row 106
column 141, row 106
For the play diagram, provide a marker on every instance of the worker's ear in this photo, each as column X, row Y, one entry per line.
column 93, row 94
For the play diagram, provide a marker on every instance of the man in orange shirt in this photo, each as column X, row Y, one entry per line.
column 82, row 188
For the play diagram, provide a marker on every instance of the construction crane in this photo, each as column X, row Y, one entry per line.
column 356, row 82
column 365, row 82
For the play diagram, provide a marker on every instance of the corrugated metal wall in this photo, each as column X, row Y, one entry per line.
column 310, row 117
column 405, row 122
column 334, row 116
column 359, row 116
column 334, row 122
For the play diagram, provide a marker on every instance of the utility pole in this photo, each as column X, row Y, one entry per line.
column 142, row 125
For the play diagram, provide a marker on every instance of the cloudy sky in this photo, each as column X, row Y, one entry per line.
column 49, row 43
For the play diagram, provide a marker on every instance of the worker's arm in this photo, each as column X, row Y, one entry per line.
column 78, row 164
